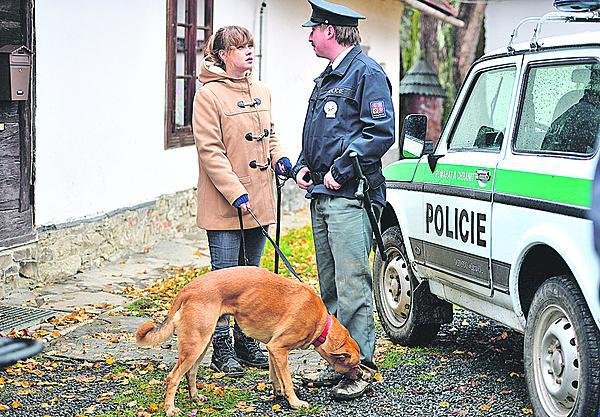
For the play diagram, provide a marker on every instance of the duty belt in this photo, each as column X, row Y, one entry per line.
column 317, row 176
column 373, row 174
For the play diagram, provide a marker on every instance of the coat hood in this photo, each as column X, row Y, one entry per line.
column 209, row 72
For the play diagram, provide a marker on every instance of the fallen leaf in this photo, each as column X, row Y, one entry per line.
column 444, row 404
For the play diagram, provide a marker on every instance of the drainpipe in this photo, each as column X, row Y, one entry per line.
column 260, row 38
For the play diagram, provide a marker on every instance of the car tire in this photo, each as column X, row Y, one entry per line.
column 406, row 318
column 562, row 352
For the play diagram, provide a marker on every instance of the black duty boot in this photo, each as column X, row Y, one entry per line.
column 247, row 350
column 223, row 358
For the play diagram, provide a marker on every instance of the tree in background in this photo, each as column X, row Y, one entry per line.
column 449, row 50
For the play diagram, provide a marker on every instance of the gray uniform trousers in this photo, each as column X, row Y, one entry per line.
column 343, row 239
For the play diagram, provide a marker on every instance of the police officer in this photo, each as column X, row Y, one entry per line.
column 350, row 110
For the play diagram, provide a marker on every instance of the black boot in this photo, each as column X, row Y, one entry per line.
column 223, row 357
column 247, row 350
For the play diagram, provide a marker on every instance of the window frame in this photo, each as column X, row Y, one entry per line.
column 178, row 136
column 464, row 102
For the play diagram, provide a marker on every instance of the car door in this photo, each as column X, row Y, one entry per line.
column 543, row 186
column 458, row 181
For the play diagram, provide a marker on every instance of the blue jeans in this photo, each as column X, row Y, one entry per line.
column 343, row 239
column 225, row 252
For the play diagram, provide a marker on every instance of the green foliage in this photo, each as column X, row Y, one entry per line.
column 298, row 247
column 409, row 38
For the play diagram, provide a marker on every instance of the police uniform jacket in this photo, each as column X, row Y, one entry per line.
column 233, row 127
column 350, row 109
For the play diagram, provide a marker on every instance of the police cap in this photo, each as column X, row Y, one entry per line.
column 326, row 13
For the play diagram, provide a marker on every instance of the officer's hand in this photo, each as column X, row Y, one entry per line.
column 302, row 184
column 330, row 183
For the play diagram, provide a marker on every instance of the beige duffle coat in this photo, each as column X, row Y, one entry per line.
column 223, row 116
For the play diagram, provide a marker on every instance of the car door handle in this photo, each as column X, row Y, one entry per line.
column 483, row 175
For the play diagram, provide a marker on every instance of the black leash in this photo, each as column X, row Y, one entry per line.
column 279, row 185
column 362, row 193
column 276, row 247
column 243, row 241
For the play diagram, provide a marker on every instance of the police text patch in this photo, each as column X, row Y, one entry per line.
column 377, row 109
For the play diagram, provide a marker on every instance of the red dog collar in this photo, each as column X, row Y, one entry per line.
column 321, row 339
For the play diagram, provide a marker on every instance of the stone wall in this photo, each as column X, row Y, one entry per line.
column 63, row 250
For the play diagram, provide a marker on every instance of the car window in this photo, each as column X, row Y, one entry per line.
column 561, row 110
column 483, row 120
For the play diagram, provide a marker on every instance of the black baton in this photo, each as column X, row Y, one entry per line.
column 362, row 193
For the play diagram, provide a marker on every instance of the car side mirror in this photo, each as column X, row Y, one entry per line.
column 413, row 142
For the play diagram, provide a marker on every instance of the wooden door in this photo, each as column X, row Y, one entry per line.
column 16, row 214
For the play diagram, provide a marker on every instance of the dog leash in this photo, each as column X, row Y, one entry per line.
column 243, row 239
column 276, row 247
column 278, row 185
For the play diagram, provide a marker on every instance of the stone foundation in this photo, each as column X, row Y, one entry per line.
column 63, row 250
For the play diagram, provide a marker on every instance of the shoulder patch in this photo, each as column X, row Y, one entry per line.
column 377, row 109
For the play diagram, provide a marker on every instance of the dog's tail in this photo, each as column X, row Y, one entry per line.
column 150, row 334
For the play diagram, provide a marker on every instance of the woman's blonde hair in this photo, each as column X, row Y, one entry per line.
column 224, row 39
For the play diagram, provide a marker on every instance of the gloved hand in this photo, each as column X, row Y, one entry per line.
column 283, row 166
column 240, row 200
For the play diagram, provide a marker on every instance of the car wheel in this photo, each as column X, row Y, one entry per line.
column 404, row 314
column 562, row 352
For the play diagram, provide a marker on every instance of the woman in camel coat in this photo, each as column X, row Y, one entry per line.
column 237, row 153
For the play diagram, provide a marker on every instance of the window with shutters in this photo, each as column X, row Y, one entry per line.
column 189, row 24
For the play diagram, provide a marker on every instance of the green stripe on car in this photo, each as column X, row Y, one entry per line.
column 559, row 189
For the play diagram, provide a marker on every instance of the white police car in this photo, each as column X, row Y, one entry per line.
column 495, row 219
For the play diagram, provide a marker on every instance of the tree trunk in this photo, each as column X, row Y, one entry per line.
column 429, row 41
column 467, row 39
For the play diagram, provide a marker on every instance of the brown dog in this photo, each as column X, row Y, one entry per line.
column 281, row 313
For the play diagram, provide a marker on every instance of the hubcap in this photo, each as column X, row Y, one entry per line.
column 556, row 362
column 395, row 290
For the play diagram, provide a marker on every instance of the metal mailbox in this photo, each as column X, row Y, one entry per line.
column 15, row 72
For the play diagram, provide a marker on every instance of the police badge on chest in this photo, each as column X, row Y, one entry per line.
column 330, row 109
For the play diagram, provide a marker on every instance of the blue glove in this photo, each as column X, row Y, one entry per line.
column 240, row 200
column 287, row 166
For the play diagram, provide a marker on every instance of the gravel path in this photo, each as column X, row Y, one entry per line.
column 473, row 368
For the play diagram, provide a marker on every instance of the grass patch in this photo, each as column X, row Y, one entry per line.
column 142, row 306
column 397, row 390
column 298, row 247
column 401, row 355
column 428, row 377
column 144, row 395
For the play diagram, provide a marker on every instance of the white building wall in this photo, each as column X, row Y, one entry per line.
column 100, row 94
column 100, row 109
column 503, row 16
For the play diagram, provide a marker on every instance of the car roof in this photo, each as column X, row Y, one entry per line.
column 589, row 38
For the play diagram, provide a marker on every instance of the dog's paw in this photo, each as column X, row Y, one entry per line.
column 298, row 404
column 172, row 411
column 199, row 398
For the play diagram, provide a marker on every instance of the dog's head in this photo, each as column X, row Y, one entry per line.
column 341, row 351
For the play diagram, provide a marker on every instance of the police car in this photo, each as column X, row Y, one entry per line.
column 495, row 218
